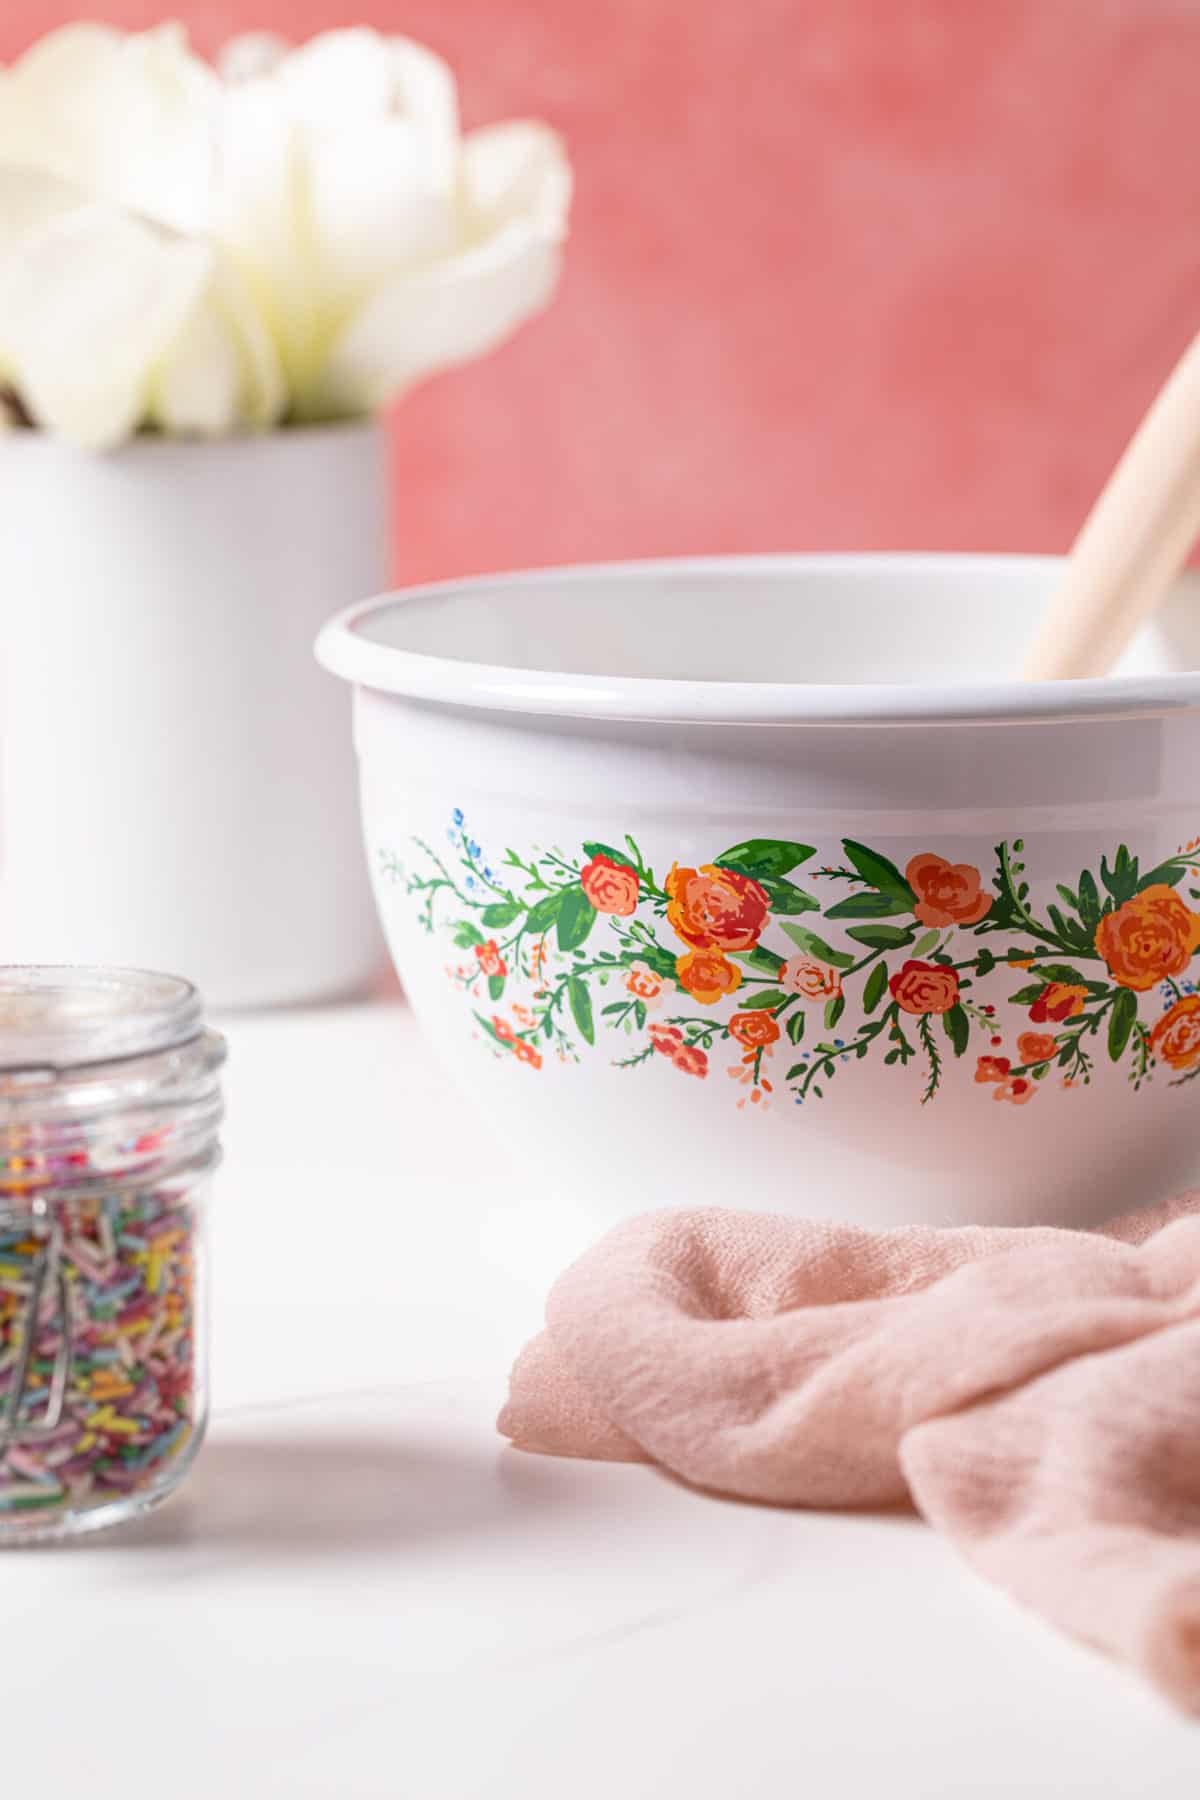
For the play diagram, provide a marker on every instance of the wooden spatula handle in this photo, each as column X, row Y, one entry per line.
column 1135, row 540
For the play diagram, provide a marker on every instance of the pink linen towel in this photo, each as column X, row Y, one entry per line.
column 1036, row 1393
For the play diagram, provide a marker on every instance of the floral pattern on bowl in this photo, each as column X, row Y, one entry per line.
column 720, row 964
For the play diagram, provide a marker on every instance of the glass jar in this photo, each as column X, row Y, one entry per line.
column 109, row 1108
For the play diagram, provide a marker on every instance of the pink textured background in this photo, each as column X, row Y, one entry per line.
column 873, row 273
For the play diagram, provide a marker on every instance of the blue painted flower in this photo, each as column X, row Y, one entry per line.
column 470, row 881
column 473, row 850
column 457, row 815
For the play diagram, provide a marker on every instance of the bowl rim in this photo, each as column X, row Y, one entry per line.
column 492, row 687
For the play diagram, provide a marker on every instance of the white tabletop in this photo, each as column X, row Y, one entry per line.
column 361, row 1592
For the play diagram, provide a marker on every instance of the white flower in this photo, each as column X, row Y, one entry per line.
column 307, row 234
column 381, row 245
column 116, row 308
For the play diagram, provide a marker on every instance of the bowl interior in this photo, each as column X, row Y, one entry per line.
column 813, row 620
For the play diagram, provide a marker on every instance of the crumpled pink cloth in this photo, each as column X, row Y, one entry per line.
column 1036, row 1393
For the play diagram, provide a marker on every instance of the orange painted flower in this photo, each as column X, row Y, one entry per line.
column 691, row 1060
column 992, row 1068
column 947, row 893
column 922, row 987
column 716, row 909
column 526, row 1053
column 643, row 982
column 490, row 960
column 811, row 980
column 753, row 1029
column 1057, row 1001
column 612, row 887
column 1036, row 1046
column 1151, row 936
column 707, row 975
column 504, row 1031
column 1176, row 1037
column 1018, row 1089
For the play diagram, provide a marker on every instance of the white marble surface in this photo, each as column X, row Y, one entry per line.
column 361, row 1592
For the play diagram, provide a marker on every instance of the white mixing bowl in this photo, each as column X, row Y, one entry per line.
column 762, row 882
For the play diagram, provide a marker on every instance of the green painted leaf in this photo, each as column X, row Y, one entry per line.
column 466, row 935
column 617, row 856
column 834, row 1010
column 618, row 1006
column 1121, row 1021
column 1089, row 899
column 957, row 1027
column 760, row 959
column 880, row 936
column 1068, row 896
column 876, row 987
column 795, row 1027
column 768, row 997
column 1122, row 879
column 502, row 913
column 1056, row 971
column 786, row 897
column 1170, row 873
column 765, row 856
column 812, row 945
column 576, row 916
column 879, row 871
column 495, row 986
column 542, row 916
column 794, row 1073
column 581, row 1008
column 869, row 906
column 1027, row 995
column 925, row 944
column 660, row 960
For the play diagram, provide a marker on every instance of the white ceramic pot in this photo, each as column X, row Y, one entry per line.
column 756, row 882
column 177, row 780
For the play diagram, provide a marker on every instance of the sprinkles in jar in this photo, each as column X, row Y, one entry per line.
column 109, row 1108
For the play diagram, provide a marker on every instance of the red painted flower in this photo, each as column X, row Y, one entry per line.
column 528, row 1053
column 612, row 887
column 753, row 1029
column 947, row 893
column 1057, row 1001
column 707, row 975
column 716, row 909
column 1019, row 1090
column 667, row 1039
column 490, row 959
column 992, row 1068
column 691, row 1061
column 1176, row 1037
column 1036, row 1046
column 922, row 987
column 1151, row 936
column 504, row 1031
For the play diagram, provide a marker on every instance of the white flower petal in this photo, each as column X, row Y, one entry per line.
column 347, row 77
column 261, row 222
column 132, row 118
column 196, row 391
column 512, row 172
column 516, row 193
column 29, row 198
column 89, row 303
column 420, row 324
column 252, row 54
